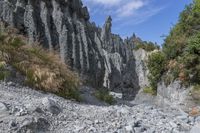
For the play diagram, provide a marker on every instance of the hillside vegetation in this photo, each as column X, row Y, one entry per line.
column 181, row 51
column 147, row 46
column 42, row 69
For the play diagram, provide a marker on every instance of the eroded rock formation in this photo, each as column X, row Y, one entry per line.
column 63, row 25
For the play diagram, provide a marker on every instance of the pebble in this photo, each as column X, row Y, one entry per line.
column 195, row 129
column 129, row 128
column 3, row 110
column 3, row 107
column 51, row 105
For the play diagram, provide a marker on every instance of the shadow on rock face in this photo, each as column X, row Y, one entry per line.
column 130, row 85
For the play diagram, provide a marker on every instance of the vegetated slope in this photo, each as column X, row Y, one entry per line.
column 180, row 57
column 40, row 68
column 147, row 46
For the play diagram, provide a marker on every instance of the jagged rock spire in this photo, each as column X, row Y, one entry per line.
column 106, row 31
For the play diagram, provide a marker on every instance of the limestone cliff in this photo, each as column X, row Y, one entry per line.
column 63, row 25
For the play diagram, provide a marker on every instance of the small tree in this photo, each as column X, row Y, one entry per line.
column 156, row 65
column 193, row 46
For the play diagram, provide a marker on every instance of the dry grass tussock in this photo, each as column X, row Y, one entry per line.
column 43, row 69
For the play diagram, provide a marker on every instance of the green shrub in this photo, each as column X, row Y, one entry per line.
column 183, row 46
column 196, row 92
column 16, row 42
column 4, row 75
column 193, row 46
column 168, row 78
column 191, row 59
column 148, row 46
column 156, row 65
column 149, row 90
column 3, row 72
column 104, row 95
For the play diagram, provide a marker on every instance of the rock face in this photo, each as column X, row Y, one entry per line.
column 63, row 25
column 31, row 111
column 175, row 94
column 141, row 56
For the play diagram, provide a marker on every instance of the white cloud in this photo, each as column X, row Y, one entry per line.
column 119, row 8
column 123, row 12
column 130, row 8
column 105, row 2
column 138, row 18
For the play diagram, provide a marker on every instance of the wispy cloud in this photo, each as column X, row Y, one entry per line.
column 123, row 12
column 138, row 18
column 104, row 2
column 129, row 8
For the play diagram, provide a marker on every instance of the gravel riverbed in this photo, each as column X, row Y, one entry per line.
column 25, row 110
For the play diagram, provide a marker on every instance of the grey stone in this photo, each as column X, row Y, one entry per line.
column 195, row 129
column 33, row 125
column 3, row 107
column 129, row 129
column 138, row 123
column 20, row 111
column 116, row 95
column 3, row 110
column 12, row 125
column 197, row 119
column 174, row 93
column 183, row 117
column 51, row 105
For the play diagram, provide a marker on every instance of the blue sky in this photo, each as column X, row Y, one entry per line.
column 148, row 19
